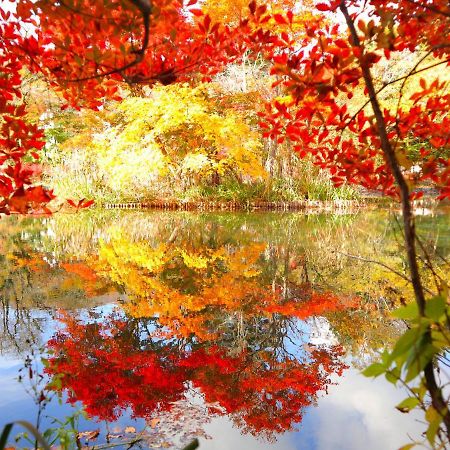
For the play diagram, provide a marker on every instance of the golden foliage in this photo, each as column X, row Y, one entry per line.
column 177, row 131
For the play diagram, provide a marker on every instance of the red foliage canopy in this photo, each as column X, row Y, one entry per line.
column 329, row 65
column 85, row 48
column 18, row 138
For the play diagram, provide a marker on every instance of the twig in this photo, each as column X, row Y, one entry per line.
column 116, row 444
column 429, row 8
column 145, row 8
column 373, row 261
column 385, row 85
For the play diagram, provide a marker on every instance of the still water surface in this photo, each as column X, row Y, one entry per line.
column 244, row 330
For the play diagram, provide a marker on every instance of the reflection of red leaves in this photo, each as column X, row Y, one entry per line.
column 80, row 269
column 266, row 397
column 105, row 366
column 213, row 357
column 315, row 304
column 81, row 204
column 109, row 374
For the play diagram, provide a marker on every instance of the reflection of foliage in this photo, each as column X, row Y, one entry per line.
column 202, row 291
column 109, row 371
column 213, row 306
column 27, row 283
column 364, row 333
column 263, row 395
column 230, row 307
column 116, row 364
column 32, row 285
column 237, row 264
column 212, row 274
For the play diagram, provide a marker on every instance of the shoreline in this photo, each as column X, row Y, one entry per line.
column 281, row 206
column 300, row 205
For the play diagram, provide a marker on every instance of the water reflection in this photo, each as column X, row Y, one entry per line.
column 249, row 317
column 117, row 364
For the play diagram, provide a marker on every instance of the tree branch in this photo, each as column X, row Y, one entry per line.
column 429, row 8
column 145, row 7
column 385, row 85
column 379, row 263
column 437, row 399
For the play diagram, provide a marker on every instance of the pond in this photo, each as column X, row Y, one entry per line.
column 246, row 330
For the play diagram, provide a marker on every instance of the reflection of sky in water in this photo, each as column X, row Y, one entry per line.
column 357, row 413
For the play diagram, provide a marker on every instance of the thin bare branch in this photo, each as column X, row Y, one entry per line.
column 385, row 85
column 429, row 7
column 379, row 263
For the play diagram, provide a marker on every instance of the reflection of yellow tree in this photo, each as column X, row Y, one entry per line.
column 180, row 285
column 364, row 333
column 200, row 291
column 205, row 274
column 314, row 248
column 28, row 277
column 352, row 259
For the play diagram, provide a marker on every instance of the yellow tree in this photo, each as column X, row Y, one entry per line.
column 178, row 132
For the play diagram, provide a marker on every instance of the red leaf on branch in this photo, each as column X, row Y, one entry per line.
column 279, row 18
column 323, row 7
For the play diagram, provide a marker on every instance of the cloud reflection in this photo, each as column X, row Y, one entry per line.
column 359, row 413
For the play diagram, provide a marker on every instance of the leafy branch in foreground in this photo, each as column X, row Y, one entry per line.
column 425, row 341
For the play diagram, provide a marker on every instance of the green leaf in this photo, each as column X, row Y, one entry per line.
column 28, row 426
column 374, row 370
column 5, row 433
column 385, row 357
column 443, row 289
column 434, row 419
column 407, row 341
column 393, row 375
column 408, row 404
column 420, row 390
column 435, row 307
column 409, row 312
column 431, row 414
column 419, row 358
column 440, row 339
